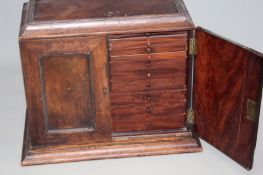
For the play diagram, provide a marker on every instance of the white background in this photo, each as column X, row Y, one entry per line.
column 238, row 20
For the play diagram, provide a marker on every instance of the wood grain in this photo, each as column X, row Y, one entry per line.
column 148, row 111
column 43, row 21
column 67, row 91
column 149, row 84
column 142, row 145
column 138, row 67
column 165, row 97
column 227, row 75
column 46, row 10
column 151, row 44
column 148, row 81
column 31, row 52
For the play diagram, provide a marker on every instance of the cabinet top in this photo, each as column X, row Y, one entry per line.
column 49, row 17
column 50, row 10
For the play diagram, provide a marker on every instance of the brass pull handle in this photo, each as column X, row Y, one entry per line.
column 149, row 84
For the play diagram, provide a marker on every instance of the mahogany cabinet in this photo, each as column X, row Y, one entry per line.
column 109, row 79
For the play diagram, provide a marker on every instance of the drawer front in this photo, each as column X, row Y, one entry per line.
column 148, row 66
column 147, row 74
column 146, row 58
column 148, row 124
column 145, row 98
column 149, row 85
column 147, row 34
column 148, row 111
column 126, row 118
column 147, row 45
column 148, row 81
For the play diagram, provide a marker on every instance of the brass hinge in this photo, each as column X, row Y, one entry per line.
column 251, row 110
column 190, row 116
column 192, row 46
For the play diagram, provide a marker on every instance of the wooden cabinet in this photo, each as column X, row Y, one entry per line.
column 106, row 79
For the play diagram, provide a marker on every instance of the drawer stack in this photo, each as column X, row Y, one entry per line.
column 148, row 81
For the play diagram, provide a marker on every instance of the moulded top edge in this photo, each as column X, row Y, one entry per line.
column 161, row 18
column 67, row 10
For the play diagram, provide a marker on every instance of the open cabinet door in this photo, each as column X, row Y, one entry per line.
column 227, row 96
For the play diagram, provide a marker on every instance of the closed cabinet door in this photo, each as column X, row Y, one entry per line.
column 66, row 87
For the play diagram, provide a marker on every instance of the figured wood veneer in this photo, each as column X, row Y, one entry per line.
column 227, row 76
column 68, row 101
column 42, row 93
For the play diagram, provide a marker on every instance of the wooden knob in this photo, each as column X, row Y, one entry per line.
column 149, row 74
column 148, row 98
column 149, row 84
column 148, row 124
column 148, row 109
column 149, row 50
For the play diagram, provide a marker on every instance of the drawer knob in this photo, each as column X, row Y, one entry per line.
column 148, row 64
column 149, row 84
column 149, row 74
column 148, row 98
column 148, row 124
column 148, row 109
column 149, row 50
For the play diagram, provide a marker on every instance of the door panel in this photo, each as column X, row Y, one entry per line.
column 227, row 81
column 66, row 87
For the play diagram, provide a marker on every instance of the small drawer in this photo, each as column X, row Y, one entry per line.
column 148, row 117
column 138, row 106
column 146, row 98
column 138, row 112
column 148, row 85
column 148, row 45
column 145, row 124
column 148, row 74
column 151, row 61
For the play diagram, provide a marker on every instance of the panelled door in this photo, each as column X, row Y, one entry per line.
column 66, row 87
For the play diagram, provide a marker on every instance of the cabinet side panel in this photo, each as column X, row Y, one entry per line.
column 224, row 84
column 66, row 85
